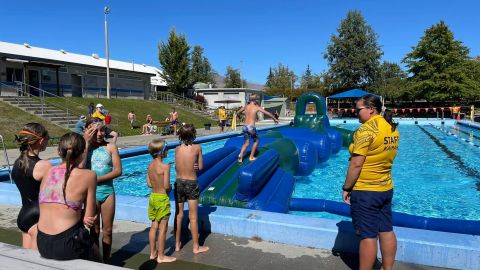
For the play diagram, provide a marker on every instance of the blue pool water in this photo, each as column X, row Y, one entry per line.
column 436, row 173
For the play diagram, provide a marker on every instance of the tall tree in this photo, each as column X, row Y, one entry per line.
column 282, row 81
column 268, row 84
column 437, row 64
column 233, row 79
column 390, row 81
column 310, row 81
column 353, row 54
column 201, row 70
column 174, row 59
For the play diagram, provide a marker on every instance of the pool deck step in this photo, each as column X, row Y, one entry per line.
column 13, row 257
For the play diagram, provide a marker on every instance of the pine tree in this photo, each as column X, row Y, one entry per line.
column 174, row 59
column 232, row 78
column 353, row 54
column 201, row 70
column 437, row 64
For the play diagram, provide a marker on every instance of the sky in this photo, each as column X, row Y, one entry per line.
column 250, row 35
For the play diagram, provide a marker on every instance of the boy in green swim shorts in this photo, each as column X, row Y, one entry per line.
column 158, row 179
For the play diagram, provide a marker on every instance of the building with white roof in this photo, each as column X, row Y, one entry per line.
column 64, row 73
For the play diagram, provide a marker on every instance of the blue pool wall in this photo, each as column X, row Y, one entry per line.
column 440, row 249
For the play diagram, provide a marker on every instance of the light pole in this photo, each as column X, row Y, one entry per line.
column 241, row 67
column 106, row 10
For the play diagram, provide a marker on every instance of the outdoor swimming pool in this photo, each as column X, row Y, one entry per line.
column 436, row 173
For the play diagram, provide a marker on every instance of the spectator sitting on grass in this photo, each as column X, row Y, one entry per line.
column 80, row 125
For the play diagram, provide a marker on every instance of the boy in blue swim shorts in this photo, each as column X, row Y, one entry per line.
column 249, row 130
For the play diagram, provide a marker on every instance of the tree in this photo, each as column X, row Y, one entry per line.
column 390, row 81
column 310, row 81
column 174, row 59
column 353, row 55
column 282, row 81
column 268, row 84
column 233, row 79
column 201, row 70
column 437, row 64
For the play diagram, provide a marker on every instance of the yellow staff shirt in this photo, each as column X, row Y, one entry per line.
column 222, row 115
column 99, row 115
column 376, row 141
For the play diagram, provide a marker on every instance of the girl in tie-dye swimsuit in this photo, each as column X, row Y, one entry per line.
column 104, row 160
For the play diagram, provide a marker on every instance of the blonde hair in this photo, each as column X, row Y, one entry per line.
column 156, row 146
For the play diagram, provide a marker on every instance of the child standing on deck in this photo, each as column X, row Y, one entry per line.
column 158, row 179
column 188, row 159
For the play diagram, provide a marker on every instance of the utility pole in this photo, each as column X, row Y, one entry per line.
column 106, row 10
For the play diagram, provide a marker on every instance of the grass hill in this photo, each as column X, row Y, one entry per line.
column 13, row 119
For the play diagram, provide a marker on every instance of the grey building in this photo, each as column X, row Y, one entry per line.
column 63, row 73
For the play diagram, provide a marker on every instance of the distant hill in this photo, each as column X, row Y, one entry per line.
column 219, row 83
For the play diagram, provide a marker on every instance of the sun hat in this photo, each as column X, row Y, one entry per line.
column 83, row 117
column 99, row 105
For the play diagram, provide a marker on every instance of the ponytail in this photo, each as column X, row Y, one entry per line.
column 68, row 166
column 388, row 116
column 26, row 138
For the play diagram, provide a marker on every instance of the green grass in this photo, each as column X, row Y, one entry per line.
column 119, row 109
column 13, row 120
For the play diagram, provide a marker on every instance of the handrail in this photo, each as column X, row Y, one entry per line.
column 169, row 96
column 6, row 158
column 42, row 94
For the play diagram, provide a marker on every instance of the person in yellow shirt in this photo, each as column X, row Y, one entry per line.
column 368, row 186
column 222, row 118
column 98, row 112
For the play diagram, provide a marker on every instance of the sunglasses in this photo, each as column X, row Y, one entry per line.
column 360, row 108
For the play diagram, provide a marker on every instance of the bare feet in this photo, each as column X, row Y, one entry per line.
column 153, row 256
column 178, row 246
column 165, row 259
column 201, row 249
column 252, row 158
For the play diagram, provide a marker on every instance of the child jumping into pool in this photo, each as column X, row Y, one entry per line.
column 249, row 130
column 158, row 179
column 188, row 159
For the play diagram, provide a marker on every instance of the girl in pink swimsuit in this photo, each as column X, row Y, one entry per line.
column 65, row 192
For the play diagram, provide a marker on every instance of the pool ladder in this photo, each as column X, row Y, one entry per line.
column 6, row 158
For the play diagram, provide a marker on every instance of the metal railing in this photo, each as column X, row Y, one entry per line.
column 188, row 102
column 63, row 104
column 6, row 158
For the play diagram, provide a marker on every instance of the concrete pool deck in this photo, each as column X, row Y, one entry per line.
column 416, row 246
column 130, row 249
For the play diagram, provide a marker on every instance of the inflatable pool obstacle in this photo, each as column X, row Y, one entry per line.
column 268, row 182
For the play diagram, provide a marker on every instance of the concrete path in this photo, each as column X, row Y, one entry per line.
column 122, row 142
column 131, row 249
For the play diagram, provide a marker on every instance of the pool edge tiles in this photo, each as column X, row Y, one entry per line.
column 432, row 248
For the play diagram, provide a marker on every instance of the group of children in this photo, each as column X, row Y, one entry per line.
column 59, row 201
column 188, row 159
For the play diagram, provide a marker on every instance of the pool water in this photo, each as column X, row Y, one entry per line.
column 436, row 173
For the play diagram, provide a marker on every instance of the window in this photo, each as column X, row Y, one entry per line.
column 14, row 74
column 135, row 78
column 231, row 93
column 63, row 69
column 209, row 94
column 100, row 74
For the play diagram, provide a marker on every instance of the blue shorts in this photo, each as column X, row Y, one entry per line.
column 371, row 212
column 249, row 131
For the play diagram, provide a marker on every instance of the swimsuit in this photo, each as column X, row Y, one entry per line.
column 249, row 131
column 185, row 190
column 73, row 243
column 100, row 162
column 52, row 191
column 29, row 188
column 158, row 206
